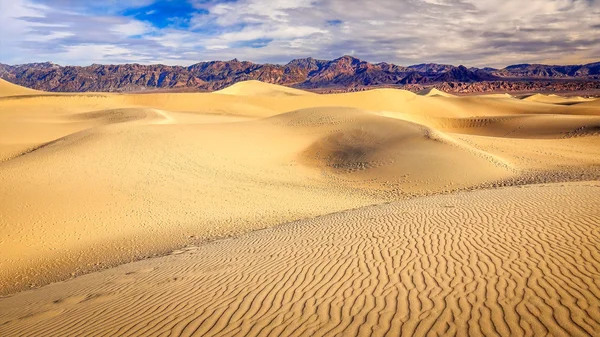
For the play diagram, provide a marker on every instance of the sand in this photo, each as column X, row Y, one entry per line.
column 257, row 88
column 91, row 181
column 556, row 99
column 10, row 89
column 432, row 92
column 504, row 262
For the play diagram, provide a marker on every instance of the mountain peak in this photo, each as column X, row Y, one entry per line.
column 347, row 57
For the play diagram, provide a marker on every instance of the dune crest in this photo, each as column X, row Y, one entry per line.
column 9, row 89
column 433, row 92
column 258, row 88
column 555, row 99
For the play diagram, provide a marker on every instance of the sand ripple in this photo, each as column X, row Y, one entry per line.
column 505, row 262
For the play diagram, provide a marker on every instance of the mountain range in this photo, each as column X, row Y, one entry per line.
column 342, row 74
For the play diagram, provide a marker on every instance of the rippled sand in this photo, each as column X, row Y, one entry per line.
column 509, row 262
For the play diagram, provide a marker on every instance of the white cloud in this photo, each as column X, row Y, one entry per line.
column 253, row 11
column 471, row 32
column 12, row 29
column 217, row 47
column 98, row 53
column 262, row 32
column 132, row 28
column 48, row 37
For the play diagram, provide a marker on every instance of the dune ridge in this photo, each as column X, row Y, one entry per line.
column 432, row 92
column 555, row 99
column 8, row 89
column 257, row 88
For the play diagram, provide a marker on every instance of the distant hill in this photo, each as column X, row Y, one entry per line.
column 344, row 73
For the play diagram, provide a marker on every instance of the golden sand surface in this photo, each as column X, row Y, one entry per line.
column 514, row 261
column 431, row 92
column 556, row 99
column 89, row 181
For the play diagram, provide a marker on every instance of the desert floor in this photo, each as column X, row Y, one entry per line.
column 382, row 212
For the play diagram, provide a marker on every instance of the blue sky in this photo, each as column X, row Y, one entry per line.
column 183, row 32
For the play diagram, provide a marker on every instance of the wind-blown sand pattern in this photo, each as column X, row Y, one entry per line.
column 91, row 181
column 505, row 262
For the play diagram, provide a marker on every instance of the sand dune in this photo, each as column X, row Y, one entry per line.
column 505, row 262
column 505, row 95
column 555, row 99
column 432, row 92
column 184, row 167
column 368, row 150
column 257, row 88
column 9, row 89
column 175, row 171
column 523, row 126
column 156, row 186
column 90, row 181
column 592, row 104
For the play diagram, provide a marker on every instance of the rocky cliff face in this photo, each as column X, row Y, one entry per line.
column 344, row 73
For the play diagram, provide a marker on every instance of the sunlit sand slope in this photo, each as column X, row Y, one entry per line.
column 257, row 88
column 555, row 99
column 522, row 126
column 434, row 92
column 9, row 89
column 124, row 190
column 504, row 262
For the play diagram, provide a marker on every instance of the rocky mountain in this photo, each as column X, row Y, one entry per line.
column 430, row 68
column 591, row 70
column 345, row 73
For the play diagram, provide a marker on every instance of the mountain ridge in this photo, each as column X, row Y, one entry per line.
column 344, row 73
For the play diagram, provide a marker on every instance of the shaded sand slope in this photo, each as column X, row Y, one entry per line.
column 593, row 103
column 505, row 262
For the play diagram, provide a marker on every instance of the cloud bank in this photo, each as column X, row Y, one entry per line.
column 470, row 32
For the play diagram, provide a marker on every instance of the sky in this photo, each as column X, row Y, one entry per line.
column 182, row 32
